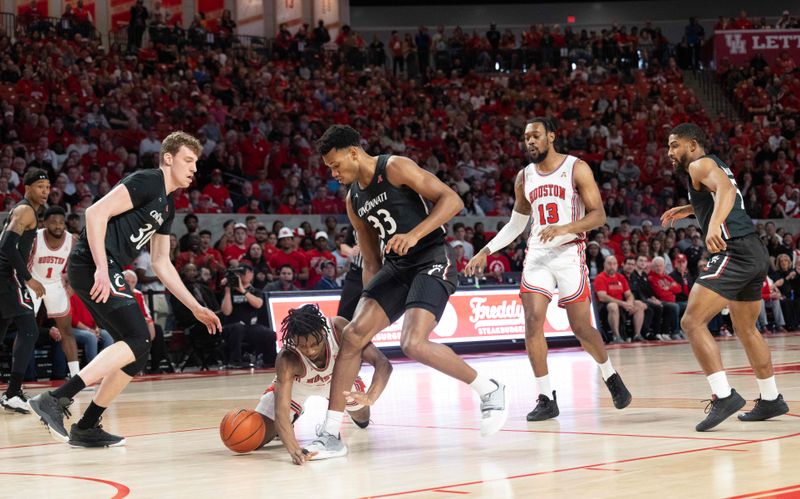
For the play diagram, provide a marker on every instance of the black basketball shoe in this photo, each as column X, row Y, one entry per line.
column 52, row 411
column 95, row 436
column 619, row 393
column 765, row 409
column 545, row 408
column 720, row 409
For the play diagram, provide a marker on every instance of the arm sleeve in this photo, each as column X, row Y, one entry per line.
column 509, row 232
column 8, row 245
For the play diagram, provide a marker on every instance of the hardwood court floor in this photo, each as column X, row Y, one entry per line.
column 424, row 441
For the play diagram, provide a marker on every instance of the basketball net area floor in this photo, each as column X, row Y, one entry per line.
column 424, row 439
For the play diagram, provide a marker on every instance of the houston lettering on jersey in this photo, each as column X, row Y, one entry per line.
column 547, row 190
column 50, row 260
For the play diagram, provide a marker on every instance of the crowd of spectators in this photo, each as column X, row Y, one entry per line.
column 455, row 103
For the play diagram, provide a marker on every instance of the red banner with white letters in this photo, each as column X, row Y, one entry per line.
column 740, row 45
column 470, row 316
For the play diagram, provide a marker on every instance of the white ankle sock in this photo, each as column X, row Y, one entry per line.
column 607, row 369
column 483, row 385
column 719, row 384
column 74, row 367
column 333, row 422
column 544, row 386
column 768, row 388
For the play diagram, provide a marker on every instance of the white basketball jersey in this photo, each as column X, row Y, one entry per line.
column 316, row 380
column 46, row 263
column 554, row 201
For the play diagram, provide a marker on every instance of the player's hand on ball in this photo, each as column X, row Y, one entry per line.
column 476, row 264
column 552, row 231
column 36, row 287
column 714, row 241
column 358, row 398
column 210, row 320
column 401, row 243
column 101, row 287
column 300, row 456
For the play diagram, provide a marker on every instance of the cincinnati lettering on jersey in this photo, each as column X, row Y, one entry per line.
column 46, row 260
column 547, row 190
column 372, row 203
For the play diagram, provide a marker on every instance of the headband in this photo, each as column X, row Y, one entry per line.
column 35, row 178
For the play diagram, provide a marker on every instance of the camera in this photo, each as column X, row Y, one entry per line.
column 232, row 276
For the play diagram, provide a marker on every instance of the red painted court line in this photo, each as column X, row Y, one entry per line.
column 122, row 490
column 734, row 450
column 129, row 436
column 601, row 469
column 793, row 415
column 451, row 492
column 785, row 492
column 559, row 432
column 597, row 465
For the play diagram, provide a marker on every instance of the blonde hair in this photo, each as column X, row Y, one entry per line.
column 173, row 142
column 781, row 257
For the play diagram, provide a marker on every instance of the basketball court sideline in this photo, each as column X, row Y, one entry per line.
column 424, row 439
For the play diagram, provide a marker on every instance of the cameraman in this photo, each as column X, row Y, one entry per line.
column 240, row 306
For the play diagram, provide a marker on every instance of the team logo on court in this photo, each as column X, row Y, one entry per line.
column 736, row 44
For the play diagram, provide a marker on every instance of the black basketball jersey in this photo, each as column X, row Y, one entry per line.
column 24, row 245
column 152, row 213
column 737, row 224
column 392, row 210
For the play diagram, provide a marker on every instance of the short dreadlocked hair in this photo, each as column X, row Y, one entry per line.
column 304, row 322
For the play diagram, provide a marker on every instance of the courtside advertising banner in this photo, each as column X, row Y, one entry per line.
column 471, row 316
column 741, row 45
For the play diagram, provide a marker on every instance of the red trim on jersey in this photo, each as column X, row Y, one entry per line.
column 63, row 240
column 63, row 314
column 527, row 288
column 536, row 167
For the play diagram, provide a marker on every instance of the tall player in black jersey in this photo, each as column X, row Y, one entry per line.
column 16, row 305
column 139, row 210
column 732, row 278
column 386, row 204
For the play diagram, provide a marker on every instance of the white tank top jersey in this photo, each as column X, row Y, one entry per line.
column 315, row 377
column 554, row 201
column 47, row 263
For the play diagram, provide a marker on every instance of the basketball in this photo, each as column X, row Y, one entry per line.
column 242, row 430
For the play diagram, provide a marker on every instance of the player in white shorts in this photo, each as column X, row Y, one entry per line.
column 304, row 368
column 559, row 194
column 47, row 264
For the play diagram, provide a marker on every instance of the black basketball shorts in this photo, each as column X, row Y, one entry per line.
column 121, row 326
column 15, row 299
column 737, row 273
column 351, row 293
column 425, row 280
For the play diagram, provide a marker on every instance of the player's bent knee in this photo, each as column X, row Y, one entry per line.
column 354, row 337
column 411, row 347
column 612, row 307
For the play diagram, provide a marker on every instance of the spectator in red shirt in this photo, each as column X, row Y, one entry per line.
column 238, row 248
column 665, row 288
column 254, row 150
column 217, row 191
column 316, row 257
column 461, row 260
column 289, row 205
column 288, row 255
column 616, row 298
column 199, row 258
column 323, row 203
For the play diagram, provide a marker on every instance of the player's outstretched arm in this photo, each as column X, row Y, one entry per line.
column 22, row 218
column 287, row 367
column 706, row 172
column 369, row 244
column 590, row 195
column 163, row 268
column 383, row 370
column 510, row 231
column 402, row 171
